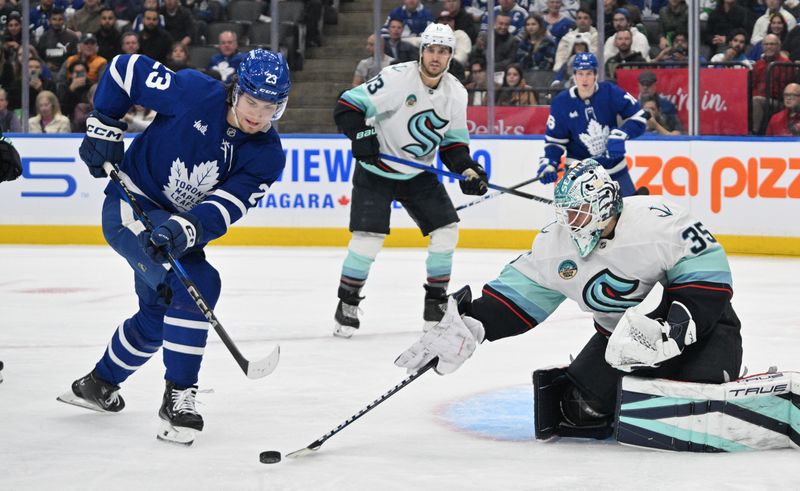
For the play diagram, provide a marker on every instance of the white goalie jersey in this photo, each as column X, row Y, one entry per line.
column 411, row 119
column 655, row 241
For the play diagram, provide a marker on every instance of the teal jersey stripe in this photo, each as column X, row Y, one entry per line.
column 397, row 176
column 537, row 301
column 459, row 135
column 439, row 263
column 685, row 435
column 356, row 266
column 711, row 265
column 358, row 97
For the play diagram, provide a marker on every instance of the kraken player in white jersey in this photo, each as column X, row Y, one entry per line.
column 606, row 257
column 409, row 110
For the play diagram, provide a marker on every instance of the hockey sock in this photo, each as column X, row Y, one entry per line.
column 128, row 349
column 185, row 335
column 439, row 263
column 361, row 253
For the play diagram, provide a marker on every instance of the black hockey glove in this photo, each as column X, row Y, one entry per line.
column 10, row 164
column 365, row 145
column 476, row 182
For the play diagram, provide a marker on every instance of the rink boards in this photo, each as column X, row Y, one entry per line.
column 745, row 190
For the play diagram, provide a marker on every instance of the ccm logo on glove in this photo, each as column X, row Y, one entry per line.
column 97, row 129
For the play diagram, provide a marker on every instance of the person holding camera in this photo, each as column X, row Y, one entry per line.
column 74, row 92
column 36, row 85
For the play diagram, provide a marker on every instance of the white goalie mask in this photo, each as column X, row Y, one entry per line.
column 586, row 199
column 440, row 35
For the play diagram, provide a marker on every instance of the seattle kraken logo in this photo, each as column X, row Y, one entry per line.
column 422, row 127
column 606, row 292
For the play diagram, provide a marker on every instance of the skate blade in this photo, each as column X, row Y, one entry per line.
column 343, row 331
column 176, row 434
column 69, row 397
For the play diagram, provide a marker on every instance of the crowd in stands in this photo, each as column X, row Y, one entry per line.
column 73, row 41
column 536, row 40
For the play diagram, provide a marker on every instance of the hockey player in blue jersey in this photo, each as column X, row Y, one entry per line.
column 208, row 157
column 583, row 124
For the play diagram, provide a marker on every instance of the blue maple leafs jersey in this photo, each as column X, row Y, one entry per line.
column 581, row 126
column 189, row 159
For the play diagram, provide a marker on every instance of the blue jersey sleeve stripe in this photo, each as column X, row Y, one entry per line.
column 551, row 139
column 226, row 216
column 232, row 199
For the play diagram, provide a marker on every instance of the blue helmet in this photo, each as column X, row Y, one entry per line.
column 584, row 61
column 265, row 76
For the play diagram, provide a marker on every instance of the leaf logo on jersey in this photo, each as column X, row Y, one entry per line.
column 185, row 190
column 422, row 127
column 606, row 292
column 594, row 139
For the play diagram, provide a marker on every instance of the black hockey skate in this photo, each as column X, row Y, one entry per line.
column 1, row 372
column 346, row 316
column 181, row 421
column 92, row 392
column 435, row 306
column 346, row 319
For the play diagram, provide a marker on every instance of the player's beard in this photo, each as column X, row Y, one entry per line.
column 426, row 73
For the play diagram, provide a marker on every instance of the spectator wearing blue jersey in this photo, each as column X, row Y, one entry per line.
column 583, row 124
column 513, row 11
column 208, row 157
column 536, row 49
column 415, row 17
column 557, row 21
column 39, row 17
column 227, row 61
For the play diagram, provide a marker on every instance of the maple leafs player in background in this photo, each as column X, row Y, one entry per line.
column 209, row 156
column 408, row 110
column 605, row 253
column 10, row 169
column 583, row 124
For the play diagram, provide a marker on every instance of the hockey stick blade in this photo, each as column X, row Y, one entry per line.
column 303, row 452
column 262, row 368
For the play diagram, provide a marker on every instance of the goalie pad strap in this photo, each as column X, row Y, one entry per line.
column 754, row 413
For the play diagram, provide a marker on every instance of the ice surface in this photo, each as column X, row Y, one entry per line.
column 59, row 306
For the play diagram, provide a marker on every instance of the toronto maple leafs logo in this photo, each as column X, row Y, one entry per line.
column 185, row 189
column 594, row 139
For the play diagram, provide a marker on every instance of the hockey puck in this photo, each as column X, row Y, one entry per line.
column 269, row 457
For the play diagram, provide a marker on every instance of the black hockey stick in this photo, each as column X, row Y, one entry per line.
column 254, row 370
column 314, row 446
column 461, row 177
column 496, row 194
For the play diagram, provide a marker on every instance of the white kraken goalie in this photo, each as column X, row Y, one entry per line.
column 607, row 253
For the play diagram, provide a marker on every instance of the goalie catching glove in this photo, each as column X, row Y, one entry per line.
column 641, row 342
column 452, row 340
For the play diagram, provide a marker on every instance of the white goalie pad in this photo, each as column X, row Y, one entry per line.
column 753, row 413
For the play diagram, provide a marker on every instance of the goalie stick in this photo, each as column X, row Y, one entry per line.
column 253, row 370
column 314, row 446
column 461, row 177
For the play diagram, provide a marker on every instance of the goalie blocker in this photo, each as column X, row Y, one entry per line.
column 753, row 413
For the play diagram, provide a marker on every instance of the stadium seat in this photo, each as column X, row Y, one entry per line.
column 200, row 56
column 291, row 11
column 539, row 78
column 245, row 11
column 215, row 28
